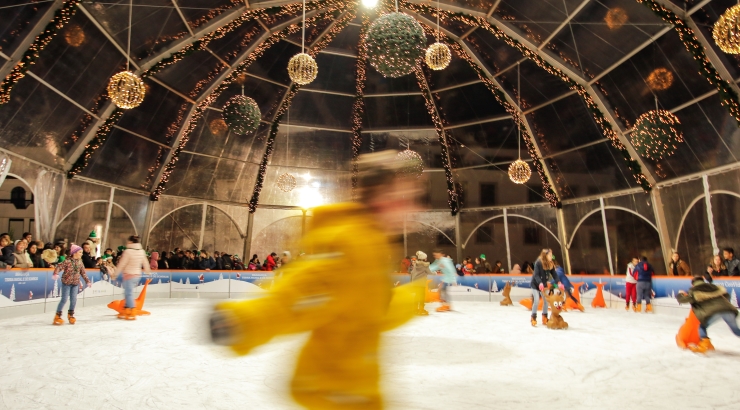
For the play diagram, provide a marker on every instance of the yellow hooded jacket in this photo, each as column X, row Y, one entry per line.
column 344, row 307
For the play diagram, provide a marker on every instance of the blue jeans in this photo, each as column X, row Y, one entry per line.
column 536, row 302
column 729, row 317
column 128, row 290
column 68, row 292
column 443, row 294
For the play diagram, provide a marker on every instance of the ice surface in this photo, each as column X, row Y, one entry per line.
column 482, row 356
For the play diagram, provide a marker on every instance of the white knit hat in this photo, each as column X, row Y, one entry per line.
column 421, row 255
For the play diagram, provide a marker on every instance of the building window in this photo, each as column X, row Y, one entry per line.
column 99, row 210
column 484, row 234
column 487, row 194
column 18, row 198
column 532, row 236
column 597, row 240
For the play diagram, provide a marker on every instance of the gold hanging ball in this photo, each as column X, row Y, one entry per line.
column 615, row 18
column 726, row 31
column 660, row 79
column 74, row 36
column 302, row 69
column 411, row 163
column 286, row 182
column 126, row 90
column 438, row 56
column 519, row 172
column 218, row 126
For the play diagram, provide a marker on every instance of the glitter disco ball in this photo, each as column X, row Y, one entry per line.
column 286, row 182
column 519, row 172
column 657, row 134
column 726, row 31
column 438, row 56
column 394, row 42
column 241, row 114
column 218, row 126
column 126, row 90
column 412, row 164
column 660, row 79
column 302, row 69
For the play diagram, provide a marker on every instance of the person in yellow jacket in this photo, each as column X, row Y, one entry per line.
column 344, row 308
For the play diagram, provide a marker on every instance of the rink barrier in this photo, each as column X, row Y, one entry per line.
column 31, row 291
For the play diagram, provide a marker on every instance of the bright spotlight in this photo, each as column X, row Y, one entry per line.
column 309, row 198
column 370, row 3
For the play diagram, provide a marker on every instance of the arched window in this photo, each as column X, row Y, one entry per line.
column 18, row 198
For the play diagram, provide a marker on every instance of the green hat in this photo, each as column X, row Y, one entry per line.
column 105, row 256
column 483, row 256
column 62, row 258
column 93, row 235
column 121, row 248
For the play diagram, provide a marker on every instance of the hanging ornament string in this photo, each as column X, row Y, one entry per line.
column 437, row 20
column 126, row 89
column 303, row 35
column 128, row 46
column 519, row 107
column 302, row 68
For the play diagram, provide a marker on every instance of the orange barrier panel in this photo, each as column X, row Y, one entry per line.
column 688, row 333
column 119, row 305
column 569, row 304
column 598, row 301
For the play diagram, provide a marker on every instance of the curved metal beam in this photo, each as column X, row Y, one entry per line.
column 691, row 205
column 619, row 208
column 508, row 214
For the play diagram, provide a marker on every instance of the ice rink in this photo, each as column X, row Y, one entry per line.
column 481, row 356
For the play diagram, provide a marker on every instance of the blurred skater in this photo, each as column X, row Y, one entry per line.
column 630, row 283
column 130, row 264
column 72, row 269
column 645, row 274
column 710, row 303
column 567, row 287
column 343, row 307
column 419, row 272
column 445, row 265
column 543, row 275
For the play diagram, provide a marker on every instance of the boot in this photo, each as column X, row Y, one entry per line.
column 71, row 317
column 534, row 321
column 422, row 312
column 649, row 308
column 58, row 319
column 627, row 308
column 127, row 314
column 704, row 346
column 638, row 308
column 444, row 308
column 544, row 319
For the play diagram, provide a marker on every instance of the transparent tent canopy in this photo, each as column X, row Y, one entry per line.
column 552, row 66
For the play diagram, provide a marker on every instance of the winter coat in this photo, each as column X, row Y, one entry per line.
column 7, row 256
column 707, row 300
column 153, row 264
column 645, row 272
column 541, row 276
column 563, row 278
column 38, row 262
column 681, row 266
column 445, row 265
column 420, row 270
column 207, row 263
column 22, row 260
column 631, row 274
column 72, row 270
column 226, row 262
column 733, row 267
column 88, row 260
column 270, row 263
column 132, row 260
column 163, row 264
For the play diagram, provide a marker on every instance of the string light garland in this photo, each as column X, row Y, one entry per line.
column 413, row 165
column 660, row 79
column 286, row 182
column 126, row 89
column 657, row 134
column 726, row 32
column 727, row 95
column 30, row 56
column 302, row 68
column 96, row 142
column 395, row 41
column 534, row 56
column 358, row 107
column 242, row 114
column 438, row 55
column 615, row 18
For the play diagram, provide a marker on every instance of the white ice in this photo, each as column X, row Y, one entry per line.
column 481, row 356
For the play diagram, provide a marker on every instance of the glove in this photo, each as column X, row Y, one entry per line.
column 561, row 287
column 223, row 328
column 55, row 277
column 542, row 287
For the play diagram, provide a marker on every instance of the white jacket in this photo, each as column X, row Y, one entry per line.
column 132, row 260
column 630, row 272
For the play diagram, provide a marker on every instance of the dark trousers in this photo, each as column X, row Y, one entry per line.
column 644, row 291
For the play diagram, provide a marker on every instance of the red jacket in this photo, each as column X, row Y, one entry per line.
column 270, row 264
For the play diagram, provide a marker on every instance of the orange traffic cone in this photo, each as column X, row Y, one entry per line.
column 120, row 305
column 688, row 333
column 598, row 301
column 527, row 303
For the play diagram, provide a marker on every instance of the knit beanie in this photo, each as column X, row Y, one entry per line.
column 74, row 249
column 421, row 255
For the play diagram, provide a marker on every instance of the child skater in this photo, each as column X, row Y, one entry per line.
column 444, row 264
column 72, row 269
column 419, row 272
column 710, row 304
column 563, row 280
column 544, row 272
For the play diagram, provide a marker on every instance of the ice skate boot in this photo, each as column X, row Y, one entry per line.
column 704, row 346
column 627, row 308
column 649, row 308
column 58, row 319
column 71, row 317
column 127, row 314
column 544, row 320
column 444, row 308
column 638, row 308
column 534, row 321
column 422, row 312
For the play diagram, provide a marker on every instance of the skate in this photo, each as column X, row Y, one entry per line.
column 444, row 308
column 534, row 321
column 422, row 312
column 627, row 308
column 704, row 346
column 544, row 320
column 71, row 317
column 58, row 319
column 127, row 314
column 649, row 308
column 638, row 308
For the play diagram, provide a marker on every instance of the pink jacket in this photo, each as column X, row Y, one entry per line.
column 132, row 260
column 153, row 260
